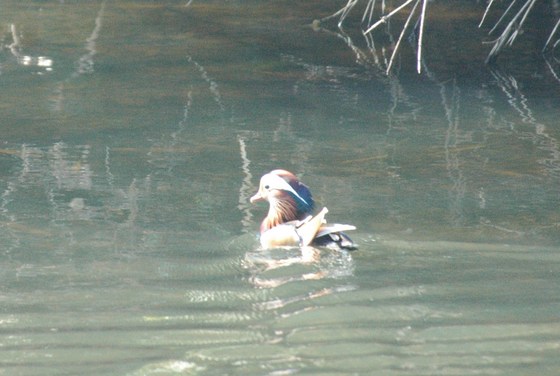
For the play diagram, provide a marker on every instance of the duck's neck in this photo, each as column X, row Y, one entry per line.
column 280, row 211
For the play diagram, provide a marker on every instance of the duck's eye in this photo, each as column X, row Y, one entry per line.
column 267, row 187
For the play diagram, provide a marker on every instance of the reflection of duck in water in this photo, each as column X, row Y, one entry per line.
column 289, row 221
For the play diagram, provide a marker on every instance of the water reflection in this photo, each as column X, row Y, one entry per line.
column 129, row 245
column 553, row 65
column 43, row 62
column 454, row 137
column 465, row 146
column 369, row 56
column 85, row 62
column 539, row 133
column 247, row 188
column 273, row 268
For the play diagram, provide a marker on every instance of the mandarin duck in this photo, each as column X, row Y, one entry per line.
column 289, row 221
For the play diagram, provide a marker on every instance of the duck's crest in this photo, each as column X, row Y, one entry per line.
column 303, row 199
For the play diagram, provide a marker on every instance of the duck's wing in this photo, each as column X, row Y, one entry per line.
column 331, row 235
column 311, row 230
column 308, row 228
column 336, row 241
column 329, row 228
column 294, row 233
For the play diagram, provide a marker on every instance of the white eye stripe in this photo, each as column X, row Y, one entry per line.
column 271, row 181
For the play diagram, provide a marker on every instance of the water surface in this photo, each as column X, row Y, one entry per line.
column 133, row 134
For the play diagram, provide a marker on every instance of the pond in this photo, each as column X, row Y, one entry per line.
column 135, row 132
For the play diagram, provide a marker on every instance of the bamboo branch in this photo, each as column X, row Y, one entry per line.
column 351, row 4
column 551, row 34
column 342, row 12
column 485, row 12
column 551, row 69
column 529, row 5
column 512, row 29
column 384, row 19
column 514, row 17
column 368, row 12
column 419, row 54
column 502, row 17
column 405, row 27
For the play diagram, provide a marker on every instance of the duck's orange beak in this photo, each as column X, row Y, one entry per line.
column 257, row 197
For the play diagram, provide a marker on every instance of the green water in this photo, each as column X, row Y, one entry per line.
column 134, row 132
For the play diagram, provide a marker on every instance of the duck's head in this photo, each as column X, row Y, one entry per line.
column 289, row 198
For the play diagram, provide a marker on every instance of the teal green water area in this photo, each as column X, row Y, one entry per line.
column 134, row 132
